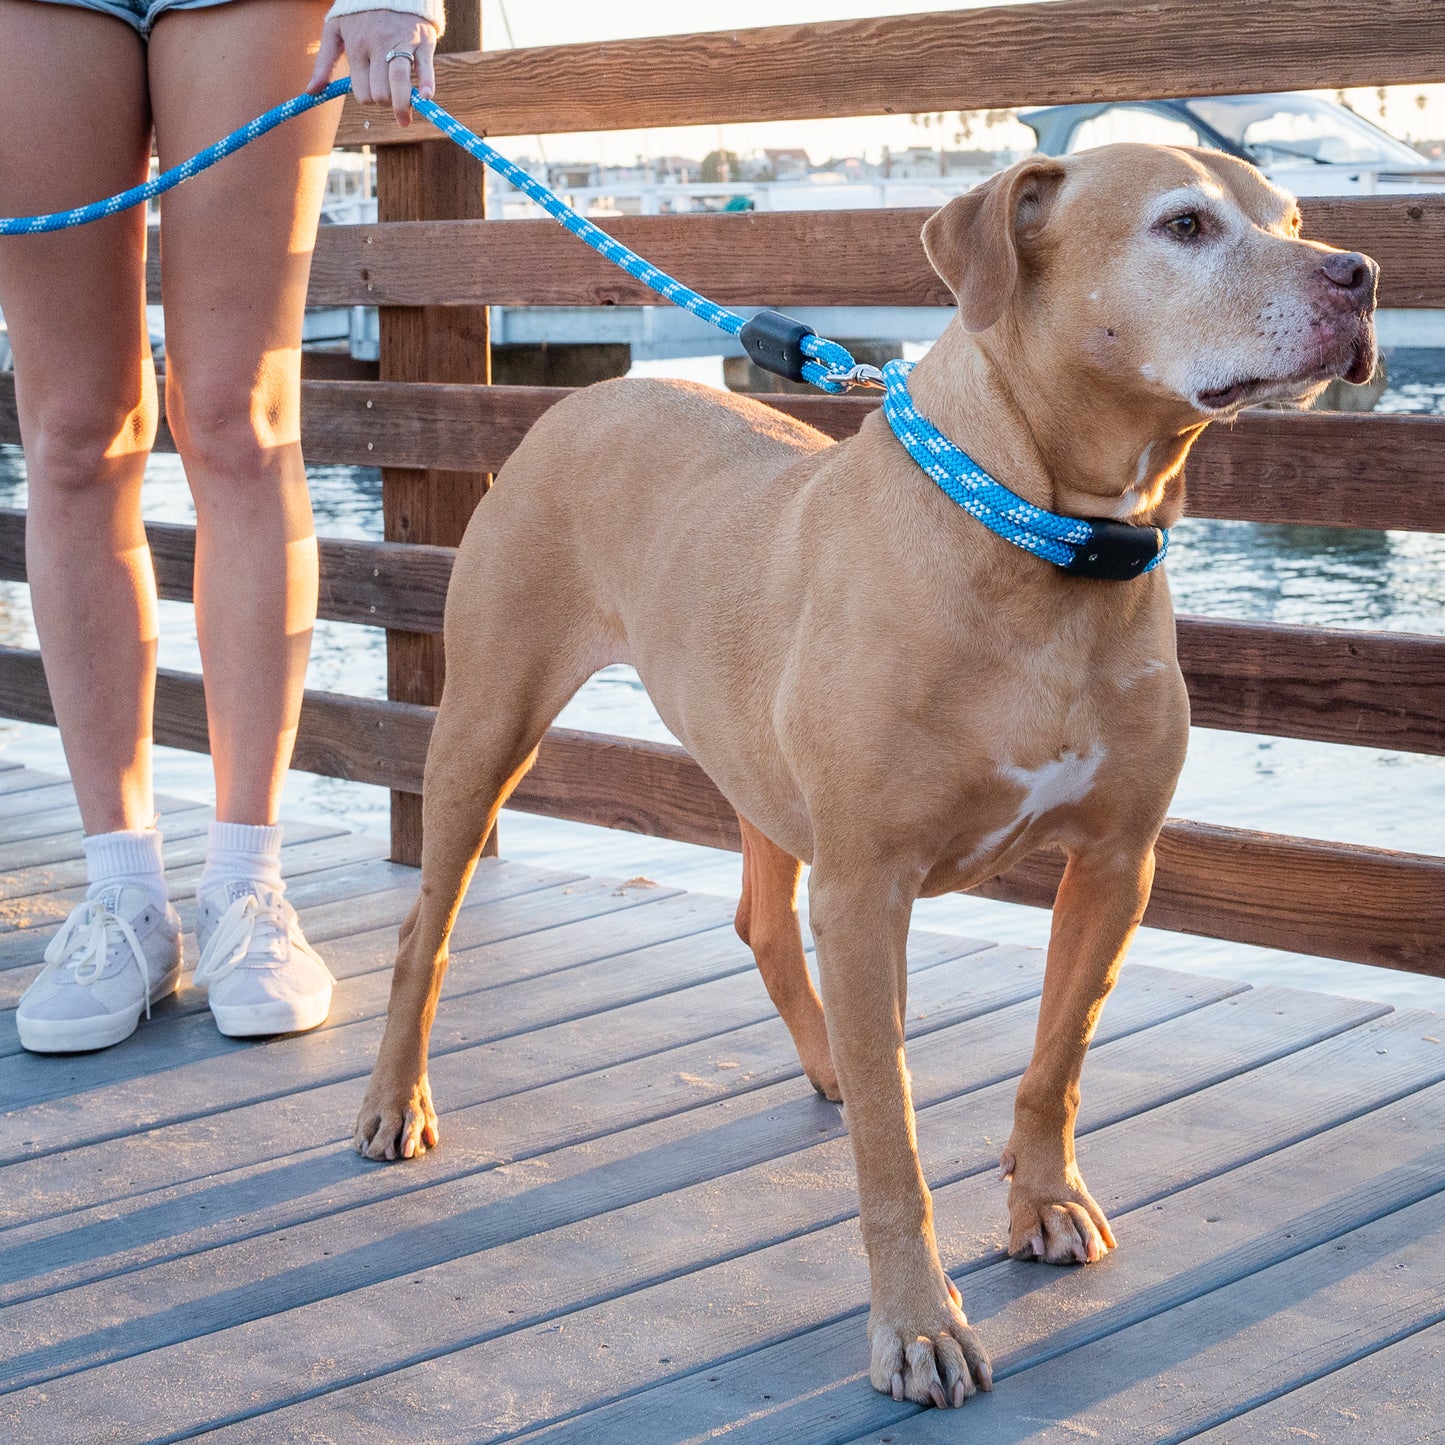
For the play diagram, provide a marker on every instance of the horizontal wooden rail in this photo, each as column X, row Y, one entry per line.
column 1335, row 685
column 981, row 59
column 778, row 258
column 1323, row 469
column 872, row 257
column 1368, row 905
column 1327, row 684
column 1317, row 469
column 396, row 585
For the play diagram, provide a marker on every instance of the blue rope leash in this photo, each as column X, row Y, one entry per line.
column 169, row 180
column 1094, row 548
column 826, row 359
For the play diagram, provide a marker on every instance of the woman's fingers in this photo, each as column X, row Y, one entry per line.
column 426, row 80
column 368, row 38
column 327, row 59
column 398, row 72
column 380, row 71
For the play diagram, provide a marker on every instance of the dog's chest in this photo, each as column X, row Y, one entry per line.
column 1014, row 806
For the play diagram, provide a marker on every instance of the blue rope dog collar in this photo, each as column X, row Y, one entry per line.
column 1085, row 547
column 778, row 343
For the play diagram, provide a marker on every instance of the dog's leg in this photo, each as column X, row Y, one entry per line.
column 922, row 1347
column 767, row 921
column 1052, row 1215
column 497, row 703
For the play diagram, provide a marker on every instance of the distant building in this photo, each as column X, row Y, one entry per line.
column 570, row 175
column 674, row 170
column 788, row 164
column 923, row 163
column 853, row 168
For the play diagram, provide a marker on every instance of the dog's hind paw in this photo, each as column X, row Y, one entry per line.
column 396, row 1123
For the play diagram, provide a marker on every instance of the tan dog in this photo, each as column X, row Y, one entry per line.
column 880, row 686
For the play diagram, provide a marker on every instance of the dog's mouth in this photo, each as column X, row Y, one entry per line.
column 1355, row 364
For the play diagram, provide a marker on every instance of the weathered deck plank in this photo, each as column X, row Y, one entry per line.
column 1392, row 1396
column 640, row 1226
column 693, row 1319
column 1212, row 1356
column 1134, row 1164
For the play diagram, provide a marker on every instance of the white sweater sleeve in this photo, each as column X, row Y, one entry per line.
column 432, row 10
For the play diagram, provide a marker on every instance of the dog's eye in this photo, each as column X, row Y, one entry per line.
column 1186, row 227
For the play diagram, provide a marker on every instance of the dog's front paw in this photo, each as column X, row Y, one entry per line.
column 928, row 1354
column 1058, row 1223
column 396, row 1122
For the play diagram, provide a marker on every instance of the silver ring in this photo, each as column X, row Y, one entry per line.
column 400, row 54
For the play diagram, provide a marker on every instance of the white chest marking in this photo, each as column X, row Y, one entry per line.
column 1066, row 779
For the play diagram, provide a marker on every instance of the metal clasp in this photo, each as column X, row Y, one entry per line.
column 860, row 375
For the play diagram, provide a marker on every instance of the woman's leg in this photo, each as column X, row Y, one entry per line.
column 74, row 303
column 237, row 247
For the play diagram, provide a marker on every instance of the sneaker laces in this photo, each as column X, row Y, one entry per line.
column 231, row 941
column 83, row 945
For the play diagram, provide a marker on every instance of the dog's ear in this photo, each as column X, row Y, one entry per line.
column 973, row 242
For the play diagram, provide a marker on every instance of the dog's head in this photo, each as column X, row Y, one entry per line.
column 1176, row 273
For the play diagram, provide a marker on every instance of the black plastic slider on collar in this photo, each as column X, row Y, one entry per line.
column 774, row 342
column 1115, row 552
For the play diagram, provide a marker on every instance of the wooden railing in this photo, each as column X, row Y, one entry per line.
column 433, row 264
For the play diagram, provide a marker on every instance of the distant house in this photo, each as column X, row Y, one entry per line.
column 570, row 175
column 675, row 170
column 853, row 168
column 789, row 163
column 923, row 163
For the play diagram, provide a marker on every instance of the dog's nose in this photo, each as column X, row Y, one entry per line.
column 1351, row 273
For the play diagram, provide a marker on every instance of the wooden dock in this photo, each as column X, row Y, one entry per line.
column 639, row 1227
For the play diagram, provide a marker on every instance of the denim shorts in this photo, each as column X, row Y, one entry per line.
column 140, row 15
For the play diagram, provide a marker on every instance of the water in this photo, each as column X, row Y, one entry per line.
column 1322, row 576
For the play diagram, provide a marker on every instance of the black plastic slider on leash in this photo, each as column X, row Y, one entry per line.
column 1116, row 552
column 775, row 342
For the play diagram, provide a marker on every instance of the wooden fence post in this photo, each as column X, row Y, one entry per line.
column 429, row 181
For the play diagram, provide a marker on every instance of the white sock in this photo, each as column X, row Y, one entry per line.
column 242, row 853
column 132, row 856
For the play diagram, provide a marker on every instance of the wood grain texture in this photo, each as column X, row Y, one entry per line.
column 429, row 344
column 769, row 258
column 1380, row 689
column 381, row 584
column 1336, row 900
column 1401, row 1393
column 1073, row 50
column 1336, row 685
column 1167, row 1167
column 1251, row 1338
column 1329, row 469
column 620, row 1141
column 1322, row 469
column 757, row 1298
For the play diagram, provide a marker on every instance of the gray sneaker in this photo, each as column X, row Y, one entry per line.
column 261, row 974
column 116, row 955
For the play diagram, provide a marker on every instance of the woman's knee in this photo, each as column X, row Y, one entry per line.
column 230, row 431
column 71, row 450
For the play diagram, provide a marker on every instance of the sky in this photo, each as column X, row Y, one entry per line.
column 558, row 22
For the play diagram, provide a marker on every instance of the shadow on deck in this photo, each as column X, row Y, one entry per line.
column 639, row 1226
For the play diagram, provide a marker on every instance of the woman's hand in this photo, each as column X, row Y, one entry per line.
column 365, row 39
